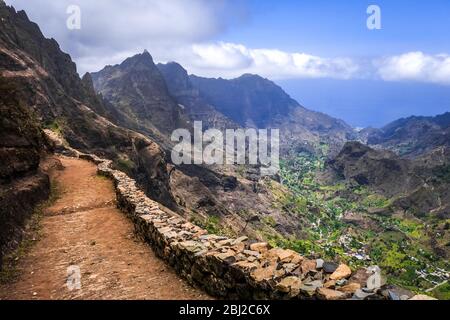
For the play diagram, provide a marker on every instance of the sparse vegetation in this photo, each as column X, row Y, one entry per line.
column 400, row 245
column 125, row 165
column 213, row 225
column 54, row 126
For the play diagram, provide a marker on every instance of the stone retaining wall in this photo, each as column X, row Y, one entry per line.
column 237, row 268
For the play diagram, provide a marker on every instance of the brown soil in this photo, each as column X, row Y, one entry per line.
column 83, row 228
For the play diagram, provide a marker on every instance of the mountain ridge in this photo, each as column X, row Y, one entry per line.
column 412, row 136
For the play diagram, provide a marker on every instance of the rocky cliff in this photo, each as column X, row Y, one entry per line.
column 22, row 184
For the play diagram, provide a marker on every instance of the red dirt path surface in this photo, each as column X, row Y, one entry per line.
column 84, row 228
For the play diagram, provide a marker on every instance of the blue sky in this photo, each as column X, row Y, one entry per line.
column 332, row 27
column 338, row 28
column 319, row 51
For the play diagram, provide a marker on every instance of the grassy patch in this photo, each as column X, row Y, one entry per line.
column 333, row 188
column 125, row 165
column 212, row 224
column 54, row 126
column 375, row 201
column 270, row 221
column 442, row 292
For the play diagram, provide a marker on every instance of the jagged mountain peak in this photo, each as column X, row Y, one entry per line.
column 251, row 76
column 87, row 79
column 137, row 90
column 173, row 65
column 173, row 69
column 176, row 77
column 139, row 61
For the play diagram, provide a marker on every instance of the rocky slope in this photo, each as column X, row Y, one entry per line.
column 238, row 268
column 404, row 188
column 230, row 199
column 382, row 170
column 22, row 184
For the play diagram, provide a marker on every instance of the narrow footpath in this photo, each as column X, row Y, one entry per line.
column 83, row 230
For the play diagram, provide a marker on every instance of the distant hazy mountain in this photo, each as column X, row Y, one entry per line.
column 250, row 100
column 412, row 136
column 189, row 99
column 253, row 101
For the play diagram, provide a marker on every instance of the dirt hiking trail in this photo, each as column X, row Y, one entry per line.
column 84, row 228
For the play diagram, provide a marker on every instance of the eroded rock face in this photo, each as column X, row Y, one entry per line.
column 22, row 185
column 189, row 99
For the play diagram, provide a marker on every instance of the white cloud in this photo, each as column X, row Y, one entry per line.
column 110, row 28
column 231, row 60
column 415, row 66
column 185, row 31
column 172, row 30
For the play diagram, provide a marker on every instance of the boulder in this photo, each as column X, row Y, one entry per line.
column 262, row 274
column 360, row 276
column 246, row 265
column 307, row 266
column 310, row 288
column 350, row 288
column 329, row 267
column 290, row 285
column 361, row 295
column 342, row 272
column 281, row 255
column 261, row 247
column 330, row 294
